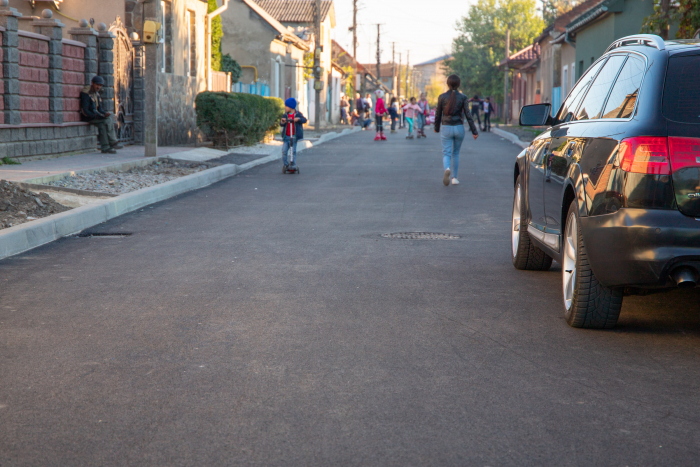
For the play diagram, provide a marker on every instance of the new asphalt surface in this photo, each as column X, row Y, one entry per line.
column 265, row 321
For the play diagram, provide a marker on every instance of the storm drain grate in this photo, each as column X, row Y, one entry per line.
column 104, row 234
column 421, row 236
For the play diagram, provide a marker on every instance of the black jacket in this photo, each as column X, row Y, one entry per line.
column 457, row 113
column 299, row 125
column 90, row 105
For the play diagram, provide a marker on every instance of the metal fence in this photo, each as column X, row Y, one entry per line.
column 254, row 88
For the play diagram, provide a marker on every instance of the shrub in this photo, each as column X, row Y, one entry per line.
column 230, row 118
column 229, row 65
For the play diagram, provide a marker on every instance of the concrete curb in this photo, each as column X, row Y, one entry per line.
column 24, row 237
column 510, row 137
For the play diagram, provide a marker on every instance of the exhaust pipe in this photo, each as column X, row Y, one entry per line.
column 685, row 277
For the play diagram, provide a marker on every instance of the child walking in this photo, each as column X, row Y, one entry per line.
column 423, row 115
column 394, row 113
column 379, row 112
column 292, row 125
column 411, row 110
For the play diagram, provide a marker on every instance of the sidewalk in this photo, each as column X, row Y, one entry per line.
column 59, row 165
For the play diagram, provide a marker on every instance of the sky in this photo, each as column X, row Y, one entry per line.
column 423, row 27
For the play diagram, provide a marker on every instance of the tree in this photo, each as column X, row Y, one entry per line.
column 349, row 81
column 686, row 14
column 433, row 91
column 229, row 65
column 480, row 44
column 217, row 33
column 551, row 9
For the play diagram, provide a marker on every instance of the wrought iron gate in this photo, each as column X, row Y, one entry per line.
column 123, row 82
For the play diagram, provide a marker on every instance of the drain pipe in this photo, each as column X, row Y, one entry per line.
column 211, row 16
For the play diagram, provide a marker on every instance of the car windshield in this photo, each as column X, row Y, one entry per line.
column 681, row 92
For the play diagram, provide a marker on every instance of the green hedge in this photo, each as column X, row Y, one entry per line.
column 231, row 118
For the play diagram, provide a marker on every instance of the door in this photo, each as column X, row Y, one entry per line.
column 535, row 184
column 571, row 137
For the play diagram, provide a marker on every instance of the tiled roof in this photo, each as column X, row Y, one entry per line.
column 521, row 57
column 294, row 11
column 387, row 69
column 561, row 21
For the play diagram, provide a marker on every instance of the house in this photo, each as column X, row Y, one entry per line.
column 180, row 71
column 594, row 29
column 271, row 54
column 298, row 15
column 524, row 87
column 431, row 71
column 388, row 75
column 366, row 80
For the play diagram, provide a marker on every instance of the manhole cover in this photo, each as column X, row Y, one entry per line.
column 421, row 236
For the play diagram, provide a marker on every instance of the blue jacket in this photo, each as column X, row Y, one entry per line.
column 299, row 125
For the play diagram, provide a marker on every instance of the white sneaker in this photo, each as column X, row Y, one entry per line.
column 455, row 181
column 446, row 178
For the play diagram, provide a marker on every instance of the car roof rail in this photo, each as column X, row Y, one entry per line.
column 639, row 39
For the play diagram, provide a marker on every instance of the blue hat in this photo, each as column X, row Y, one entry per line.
column 291, row 103
column 98, row 80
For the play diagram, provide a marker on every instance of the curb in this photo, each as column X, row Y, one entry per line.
column 25, row 237
column 510, row 137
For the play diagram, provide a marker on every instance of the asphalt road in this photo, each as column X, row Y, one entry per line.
column 265, row 321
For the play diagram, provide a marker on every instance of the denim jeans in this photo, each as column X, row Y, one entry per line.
column 451, row 138
column 420, row 122
column 289, row 141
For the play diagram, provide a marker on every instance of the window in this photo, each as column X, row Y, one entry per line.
column 595, row 99
column 624, row 94
column 580, row 66
column 567, row 110
column 682, row 93
column 572, row 74
column 193, row 45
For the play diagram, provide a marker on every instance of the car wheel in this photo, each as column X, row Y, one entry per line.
column 524, row 253
column 587, row 303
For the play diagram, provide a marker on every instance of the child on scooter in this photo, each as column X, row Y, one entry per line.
column 411, row 110
column 292, row 125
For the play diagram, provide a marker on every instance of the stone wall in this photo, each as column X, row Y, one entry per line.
column 73, row 79
column 42, row 75
column 33, row 77
column 177, row 119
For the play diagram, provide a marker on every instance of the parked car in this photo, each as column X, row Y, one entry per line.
column 611, row 190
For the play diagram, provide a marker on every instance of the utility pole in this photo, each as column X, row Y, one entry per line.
column 354, row 42
column 408, row 58
column 318, row 83
column 505, row 80
column 379, row 55
column 393, row 67
column 151, row 12
column 398, row 79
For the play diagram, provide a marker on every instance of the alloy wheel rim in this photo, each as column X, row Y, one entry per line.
column 515, row 225
column 569, row 261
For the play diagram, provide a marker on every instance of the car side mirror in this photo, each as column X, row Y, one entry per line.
column 536, row 115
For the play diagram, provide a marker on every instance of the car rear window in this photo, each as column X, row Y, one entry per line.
column 682, row 92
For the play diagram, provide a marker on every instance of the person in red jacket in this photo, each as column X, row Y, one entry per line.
column 379, row 112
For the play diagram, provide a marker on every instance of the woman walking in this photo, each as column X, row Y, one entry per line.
column 452, row 108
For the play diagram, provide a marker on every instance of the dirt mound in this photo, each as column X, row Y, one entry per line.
column 18, row 205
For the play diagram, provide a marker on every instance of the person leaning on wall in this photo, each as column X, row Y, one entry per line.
column 91, row 111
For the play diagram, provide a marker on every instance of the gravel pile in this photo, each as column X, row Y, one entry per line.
column 18, row 205
column 139, row 177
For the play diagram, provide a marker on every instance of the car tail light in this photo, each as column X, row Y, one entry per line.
column 684, row 152
column 645, row 155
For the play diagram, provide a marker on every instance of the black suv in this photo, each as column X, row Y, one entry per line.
column 611, row 190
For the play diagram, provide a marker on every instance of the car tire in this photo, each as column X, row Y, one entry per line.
column 587, row 303
column 525, row 255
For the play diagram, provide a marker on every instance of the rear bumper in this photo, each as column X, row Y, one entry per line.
column 638, row 247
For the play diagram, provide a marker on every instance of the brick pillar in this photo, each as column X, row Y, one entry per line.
column 139, row 91
column 105, row 44
column 53, row 29
column 87, row 36
column 10, row 63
